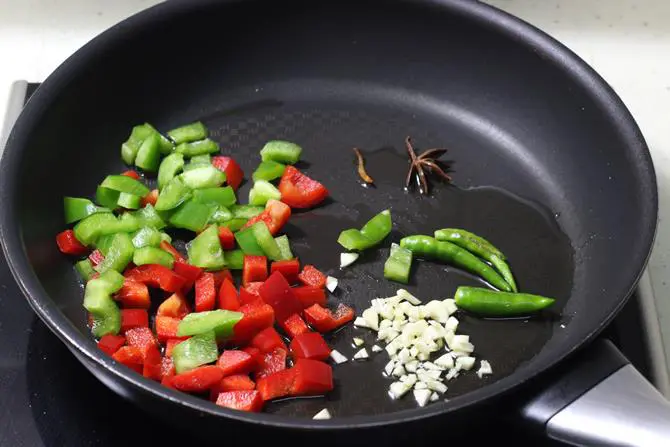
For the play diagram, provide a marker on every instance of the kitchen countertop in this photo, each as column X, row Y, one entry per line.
column 626, row 41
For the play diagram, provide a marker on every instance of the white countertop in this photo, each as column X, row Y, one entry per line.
column 626, row 41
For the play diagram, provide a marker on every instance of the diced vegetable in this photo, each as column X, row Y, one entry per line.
column 255, row 269
column 331, row 284
column 284, row 247
column 310, row 276
column 234, row 259
column 85, row 269
column 200, row 147
column 281, row 152
column 245, row 400
column 372, row 233
column 170, row 167
column 308, row 295
column 289, row 269
column 205, row 293
column 323, row 320
column 265, row 240
column 262, row 191
column 310, row 345
column 205, row 250
column 277, row 292
column 234, row 174
column 192, row 215
column 189, row 132
column 149, row 156
column 134, row 294
column 294, row 325
column 206, row 176
column 119, row 254
column 146, row 237
column 300, row 191
column 157, row 276
column 173, row 194
column 346, row 259
column 76, row 208
column 153, row 255
column 221, row 196
column 337, row 356
column 247, row 242
column 268, row 170
column 196, row 351
column 69, row 244
column 398, row 264
column 322, row 415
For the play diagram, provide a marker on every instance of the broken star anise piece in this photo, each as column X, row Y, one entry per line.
column 427, row 161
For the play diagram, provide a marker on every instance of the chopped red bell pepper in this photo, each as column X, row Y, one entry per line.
column 220, row 276
column 170, row 344
column 156, row 275
column 256, row 356
column 236, row 382
column 134, row 294
column 205, row 292
column 255, row 269
column 227, row 238
column 250, row 294
column 272, row 362
column 275, row 216
column 153, row 363
column 233, row 361
column 110, row 343
column 241, row 400
column 189, row 272
column 178, row 257
column 68, row 244
column 96, row 257
column 228, row 299
column 310, row 345
column 276, row 385
column 310, row 276
column 256, row 318
column 277, row 292
column 308, row 295
column 267, row 340
column 311, row 377
column 289, row 269
column 150, row 198
column 167, row 382
column 198, row 380
column 130, row 356
column 234, row 174
column 141, row 337
column 132, row 174
column 176, row 307
column 166, row 328
column 323, row 320
column 167, row 367
column 294, row 326
column 131, row 318
column 300, row 191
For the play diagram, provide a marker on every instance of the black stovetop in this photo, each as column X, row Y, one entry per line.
column 47, row 398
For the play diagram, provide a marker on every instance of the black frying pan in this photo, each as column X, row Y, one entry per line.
column 546, row 160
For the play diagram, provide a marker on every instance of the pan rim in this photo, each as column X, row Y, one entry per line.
column 502, row 22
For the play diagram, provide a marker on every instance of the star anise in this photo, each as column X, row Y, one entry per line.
column 426, row 161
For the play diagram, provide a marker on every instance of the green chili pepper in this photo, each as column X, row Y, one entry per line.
column 147, row 237
column 119, row 254
column 480, row 247
column 247, row 242
column 171, row 165
column 449, row 253
column 205, row 176
column 192, row 215
column 246, row 211
column 149, row 155
column 188, row 132
column 201, row 147
column 123, row 183
column 85, row 269
column 234, row 259
column 268, row 170
column 372, row 233
column 262, row 191
column 75, row 209
column 173, row 194
column 494, row 303
column 266, row 241
column 195, row 351
column 398, row 264
column 284, row 247
column 99, row 303
column 153, row 255
column 129, row 201
column 224, row 196
column 281, row 151
column 220, row 321
column 234, row 224
column 205, row 250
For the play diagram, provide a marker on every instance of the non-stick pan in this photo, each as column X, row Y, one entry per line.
column 545, row 159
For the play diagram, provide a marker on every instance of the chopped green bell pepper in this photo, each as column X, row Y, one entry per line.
column 281, row 151
column 234, row 259
column 204, row 159
column 266, row 241
column 224, row 196
column 99, row 303
column 129, row 201
column 171, row 165
column 139, row 133
column 147, row 237
column 149, row 155
column 90, row 228
column 192, row 215
column 123, row 183
column 247, row 241
column 173, row 194
column 284, row 247
column 234, row 224
column 201, row 147
column 189, row 132
column 268, row 170
column 220, row 321
column 246, row 211
column 195, row 351
column 398, row 264
column 222, row 214
column 206, row 176
column 119, row 254
column 205, row 250
column 107, row 197
column 262, row 191
column 76, row 208
column 153, row 255
column 104, row 242
column 148, row 217
column 85, row 269
column 372, row 233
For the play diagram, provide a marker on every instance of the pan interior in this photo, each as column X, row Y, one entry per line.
column 540, row 166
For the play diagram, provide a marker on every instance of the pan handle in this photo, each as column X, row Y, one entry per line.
column 601, row 399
